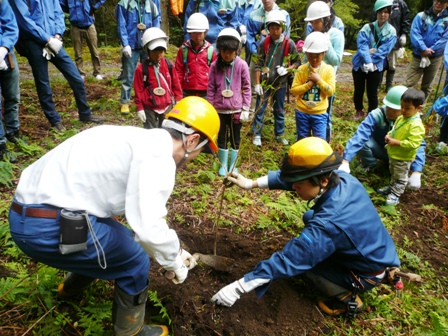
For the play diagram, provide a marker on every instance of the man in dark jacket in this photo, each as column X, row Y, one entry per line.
column 82, row 18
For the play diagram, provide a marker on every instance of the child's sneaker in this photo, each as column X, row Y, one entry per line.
column 257, row 141
column 282, row 140
column 383, row 190
column 392, row 200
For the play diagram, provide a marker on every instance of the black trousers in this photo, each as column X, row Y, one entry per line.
column 366, row 81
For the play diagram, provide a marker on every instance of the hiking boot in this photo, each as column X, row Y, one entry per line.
column 336, row 307
column 124, row 109
column 92, row 118
column 282, row 140
column 392, row 200
column 257, row 141
column 59, row 127
column 6, row 155
column 15, row 138
column 359, row 114
column 383, row 190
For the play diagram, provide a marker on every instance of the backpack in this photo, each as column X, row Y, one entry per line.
column 285, row 45
column 209, row 54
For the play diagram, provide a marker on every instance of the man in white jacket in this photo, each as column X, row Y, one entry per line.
column 63, row 210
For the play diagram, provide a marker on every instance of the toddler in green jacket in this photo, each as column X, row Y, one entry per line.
column 402, row 143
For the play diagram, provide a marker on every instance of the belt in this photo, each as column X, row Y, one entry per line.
column 35, row 212
column 372, row 273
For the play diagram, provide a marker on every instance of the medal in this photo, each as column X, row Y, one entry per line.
column 311, row 104
column 159, row 91
column 264, row 32
column 141, row 26
column 265, row 70
column 222, row 11
column 227, row 93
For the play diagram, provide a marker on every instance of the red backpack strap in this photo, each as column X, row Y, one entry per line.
column 267, row 42
column 285, row 47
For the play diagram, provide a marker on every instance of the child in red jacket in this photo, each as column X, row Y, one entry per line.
column 156, row 84
column 194, row 58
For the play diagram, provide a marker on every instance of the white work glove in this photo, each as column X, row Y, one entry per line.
column 345, row 166
column 281, row 70
column 243, row 30
column 142, row 115
column 245, row 116
column 243, row 39
column 425, row 62
column 240, row 180
column 47, row 53
column 180, row 274
column 369, row 67
column 127, row 52
column 54, row 45
column 402, row 40
column 259, row 90
column 228, row 295
column 188, row 259
column 372, row 51
column 414, row 181
column 3, row 65
column 3, row 53
column 400, row 53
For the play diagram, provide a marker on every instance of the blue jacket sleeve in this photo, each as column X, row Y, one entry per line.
column 361, row 136
column 417, row 42
column 420, row 159
column 9, row 31
column 276, row 183
column 120, row 15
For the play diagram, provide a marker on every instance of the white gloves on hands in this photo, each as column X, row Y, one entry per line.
column 369, row 67
column 414, row 181
column 228, row 295
column 425, row 62
column 3, row 53
column 180, row 274
column 54, row 45
column 281, row 70
column 345, row 166
column 245, row 116
column 400, row 53
column 127, row 52
column 46, row 52
column 243, row 30
column 240, row 180
column 188, row 259
column 3, row 66
column 402, row 40
column 142, row 115
column 259, row 90
column 243, row 39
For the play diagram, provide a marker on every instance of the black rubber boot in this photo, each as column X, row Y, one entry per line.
column 6, row 155
column 74, row 284
column 128, row 313
column 389, row 79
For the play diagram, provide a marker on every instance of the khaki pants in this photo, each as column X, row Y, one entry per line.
column 399, row 175
column 428, row 73
column 91, row 38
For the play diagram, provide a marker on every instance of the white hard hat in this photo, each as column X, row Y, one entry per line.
column 316, row 42
column 229, row 32
column 197, row 23
column 275, row 16
column 154, row 38
column 317, row 10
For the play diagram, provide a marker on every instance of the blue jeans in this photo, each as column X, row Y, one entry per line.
column 311, row 125
column 371, row 152
column 127, row 262
column 278, row 110
column 10, row 90
column 62, row 61
column 129, row 65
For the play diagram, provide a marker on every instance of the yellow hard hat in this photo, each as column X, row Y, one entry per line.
column 309, row 157
column 199, row 114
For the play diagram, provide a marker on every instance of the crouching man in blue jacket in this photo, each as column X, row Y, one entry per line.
column 344, row 247
column 368, row 142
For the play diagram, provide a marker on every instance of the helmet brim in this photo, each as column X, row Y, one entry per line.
column 159, row 43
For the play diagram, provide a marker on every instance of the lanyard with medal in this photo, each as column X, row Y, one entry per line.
column 395, row 129
column 141, row 12
column 265, row 69
column 227, row 93
column 311, row 103
column 158, row 91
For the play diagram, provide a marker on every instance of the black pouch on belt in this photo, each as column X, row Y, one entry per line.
column 73, row 231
